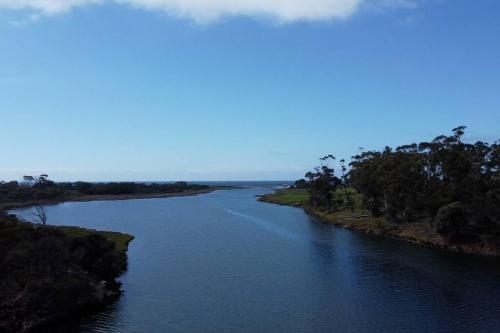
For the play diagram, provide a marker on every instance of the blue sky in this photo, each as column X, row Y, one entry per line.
column 236, row 90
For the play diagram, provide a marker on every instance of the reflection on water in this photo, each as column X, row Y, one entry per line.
column 223, row 262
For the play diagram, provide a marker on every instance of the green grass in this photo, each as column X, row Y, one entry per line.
column 343, row 215
column 290, row 196
column 358, row 218
column 121, row 240
column 301, row 197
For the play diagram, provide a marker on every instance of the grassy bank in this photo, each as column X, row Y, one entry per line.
column 358, row 219
column 287, row 197
column 120, row 240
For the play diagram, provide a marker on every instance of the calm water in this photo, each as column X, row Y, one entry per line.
column 223, row 262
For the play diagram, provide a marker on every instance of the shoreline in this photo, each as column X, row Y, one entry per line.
column 104, row 293
column 106, row 197
column 418, row 233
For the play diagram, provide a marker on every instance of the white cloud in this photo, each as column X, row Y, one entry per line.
column 212, row 10
column 284, row 10
column 47, row 7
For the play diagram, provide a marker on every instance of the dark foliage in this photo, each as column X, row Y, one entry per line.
column 452, row 184
column 41, row 189
column 322, row 183
column 301, row 183
column 128, row 188
column 47, row 275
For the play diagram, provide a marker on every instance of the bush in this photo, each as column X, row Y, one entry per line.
column 450, row 220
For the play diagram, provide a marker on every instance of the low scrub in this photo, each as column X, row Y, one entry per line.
column 49, row 274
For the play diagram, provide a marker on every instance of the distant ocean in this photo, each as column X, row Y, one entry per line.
column 265, row 183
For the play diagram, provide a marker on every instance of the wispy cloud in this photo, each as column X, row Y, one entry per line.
column 394, row 3
column 205, row 11
column 31, row 18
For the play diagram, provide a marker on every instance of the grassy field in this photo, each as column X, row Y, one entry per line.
column 358, row 218
column 353, row 217
column 121, row 240
column 300, row 197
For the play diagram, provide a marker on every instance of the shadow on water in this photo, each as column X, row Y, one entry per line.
column 412, row 288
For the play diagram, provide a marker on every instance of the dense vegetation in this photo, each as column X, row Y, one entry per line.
column 40, row 188
column 449, row 184
column 49, row 273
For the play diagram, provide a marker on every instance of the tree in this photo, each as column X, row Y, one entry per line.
column 28, row 180
column 301, row 183
column 364, row 177
column 40, row 215
column 42, row 181
column 344, row 182
column 322, row 184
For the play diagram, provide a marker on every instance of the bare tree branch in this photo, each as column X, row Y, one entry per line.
column 40, row 215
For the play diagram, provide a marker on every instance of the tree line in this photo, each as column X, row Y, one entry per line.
column 39, row 188
column 449, row 183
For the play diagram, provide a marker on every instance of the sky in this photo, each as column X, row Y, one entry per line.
column 115, row 90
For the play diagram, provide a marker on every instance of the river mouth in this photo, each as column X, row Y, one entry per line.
column 224, row 262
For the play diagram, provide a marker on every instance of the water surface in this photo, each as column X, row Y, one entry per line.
column 223, row 262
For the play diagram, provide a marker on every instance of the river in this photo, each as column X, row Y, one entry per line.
column 224, row 262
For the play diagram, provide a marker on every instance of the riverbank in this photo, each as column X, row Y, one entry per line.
column 54, row 275
column 82, row 198
column 418, row 233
